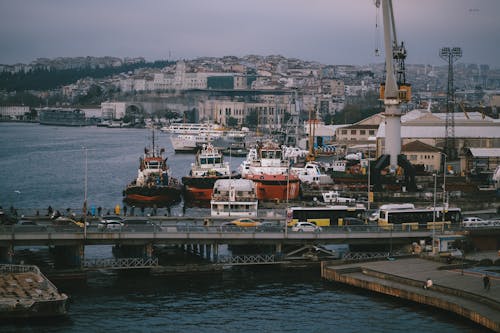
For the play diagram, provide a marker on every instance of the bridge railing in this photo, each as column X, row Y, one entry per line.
column 120, row 263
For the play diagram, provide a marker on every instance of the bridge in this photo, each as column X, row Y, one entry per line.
column 135, row 246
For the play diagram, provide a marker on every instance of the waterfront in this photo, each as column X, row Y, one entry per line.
column 46, row 166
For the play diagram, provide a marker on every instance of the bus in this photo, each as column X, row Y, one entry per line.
column 324, row 216
column 411, row 218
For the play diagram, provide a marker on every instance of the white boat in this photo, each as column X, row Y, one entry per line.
column 310, row 173
column 234, row 197
column 190, row 128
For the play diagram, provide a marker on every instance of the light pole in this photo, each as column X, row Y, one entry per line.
column 434, row 214
column 444, row 185
column 85, row 195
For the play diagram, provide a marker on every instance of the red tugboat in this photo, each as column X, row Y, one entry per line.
column 270, row 172
column 205, row 171
column 154, row 184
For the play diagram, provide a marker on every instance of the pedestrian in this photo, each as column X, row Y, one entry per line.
column 168, row 210
column 132, row 211
column 50, row 210
column 124, row 210
column 99, row 210
column 428, row 283
column 92, row 209
column 486, row 282
column 142, row 210
column 117, row 209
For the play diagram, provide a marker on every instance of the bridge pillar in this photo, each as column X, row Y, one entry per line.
column 279, row 250
column 68, row 256
column 149, row 250
column 215, row 251
column 208, row 251
column 6, row 254
column 201, row 250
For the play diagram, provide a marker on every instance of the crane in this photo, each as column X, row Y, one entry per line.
column 394, row 91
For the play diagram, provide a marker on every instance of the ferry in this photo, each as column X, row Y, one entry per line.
column 270, row 172
column 154, row 184
column 234, row 197
column 62, row 117
column 209, row 166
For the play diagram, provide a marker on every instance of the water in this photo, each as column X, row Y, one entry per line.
column 45, row 165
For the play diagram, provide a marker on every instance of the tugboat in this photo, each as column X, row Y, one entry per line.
column 270, row 172
column 205, row 171
column 154, row 184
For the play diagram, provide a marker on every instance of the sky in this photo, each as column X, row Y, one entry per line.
column 328, row 31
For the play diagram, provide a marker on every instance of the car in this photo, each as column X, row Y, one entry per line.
column 245, row 222
column 110, row 222
column 139, row 224
column 270, row 226
column 474, row 221
column 306, row 226
column 66, row 221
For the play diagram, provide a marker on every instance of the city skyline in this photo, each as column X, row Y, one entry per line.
column 330, row 32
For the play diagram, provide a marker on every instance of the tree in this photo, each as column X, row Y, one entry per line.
column 232, row 122
column 252, row 119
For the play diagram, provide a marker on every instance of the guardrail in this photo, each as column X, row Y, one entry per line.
column 8, row 268
column 120, row 263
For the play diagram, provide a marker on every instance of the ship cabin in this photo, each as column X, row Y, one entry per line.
column 234, row 197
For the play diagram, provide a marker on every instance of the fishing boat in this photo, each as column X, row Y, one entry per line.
column 154, row 184
column 270, row 172
column 209, row 166
column 234, row 197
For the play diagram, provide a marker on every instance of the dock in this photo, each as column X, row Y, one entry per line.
column 454, row 289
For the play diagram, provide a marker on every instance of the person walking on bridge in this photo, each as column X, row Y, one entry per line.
column 486, row 282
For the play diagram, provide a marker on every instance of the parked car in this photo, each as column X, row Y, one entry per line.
column 139, row 224
column 110, row 222
column 67, row 222
column 306, row 226
column 270, row 227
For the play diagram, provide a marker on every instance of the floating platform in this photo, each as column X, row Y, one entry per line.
column 26, row 293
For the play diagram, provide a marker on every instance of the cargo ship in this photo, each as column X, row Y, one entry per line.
column 209, row 166
column 154, row 185
column 62, row 117
column 270, row 172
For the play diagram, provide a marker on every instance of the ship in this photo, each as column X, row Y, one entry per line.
column 154, row 185
column 62, row 117
column 208, row 167
column 234, row 197
column 270, row 172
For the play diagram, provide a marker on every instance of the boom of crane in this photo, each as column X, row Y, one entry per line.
column 395, row 67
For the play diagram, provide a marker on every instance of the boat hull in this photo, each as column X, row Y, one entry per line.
column 275, row 187
column 161, row 196
column 201, row 188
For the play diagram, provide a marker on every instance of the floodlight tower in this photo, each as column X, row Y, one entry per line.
column 450, row 55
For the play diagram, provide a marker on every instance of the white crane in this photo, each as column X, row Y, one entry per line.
column 395, row 91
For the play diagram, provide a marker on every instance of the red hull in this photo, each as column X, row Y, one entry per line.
column 197, row 194
column 274, row 187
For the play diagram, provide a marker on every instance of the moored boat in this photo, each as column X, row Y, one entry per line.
column 270, row 172
column 154, row 184
column 208, row 167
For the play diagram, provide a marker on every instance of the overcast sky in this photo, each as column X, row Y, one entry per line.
column 328, row 31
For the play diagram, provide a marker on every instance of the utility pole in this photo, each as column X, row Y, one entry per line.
column 450, row 55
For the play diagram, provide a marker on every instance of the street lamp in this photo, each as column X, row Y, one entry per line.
column 434, row 214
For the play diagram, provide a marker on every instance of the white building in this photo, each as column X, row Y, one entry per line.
column 113, row 110
column 13, row 112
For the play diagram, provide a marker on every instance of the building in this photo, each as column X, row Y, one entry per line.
column 419, row 153
column 13, row 112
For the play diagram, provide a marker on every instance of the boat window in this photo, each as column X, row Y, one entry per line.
column 203, row 161
column 217, row 160
column 153, row 165
column 210, row 160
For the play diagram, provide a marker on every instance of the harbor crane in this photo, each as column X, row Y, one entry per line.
column 394, row 91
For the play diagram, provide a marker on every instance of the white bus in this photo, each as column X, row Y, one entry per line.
column 409, row 217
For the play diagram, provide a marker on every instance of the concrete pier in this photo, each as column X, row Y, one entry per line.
column 453, row 290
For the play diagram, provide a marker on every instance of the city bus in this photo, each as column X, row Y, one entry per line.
column 411, row 218
column 324, row 216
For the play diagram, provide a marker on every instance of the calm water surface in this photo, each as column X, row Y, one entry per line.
column 45, row 165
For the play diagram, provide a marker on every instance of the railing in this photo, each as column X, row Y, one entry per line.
column 361, row 256
column 7, row 268
column 247, row 259
column 120, row 263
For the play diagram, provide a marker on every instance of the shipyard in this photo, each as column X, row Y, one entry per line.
column 352, row 182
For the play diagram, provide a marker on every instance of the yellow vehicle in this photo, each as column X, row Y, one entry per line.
column 244, row 222
column 324, row 216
